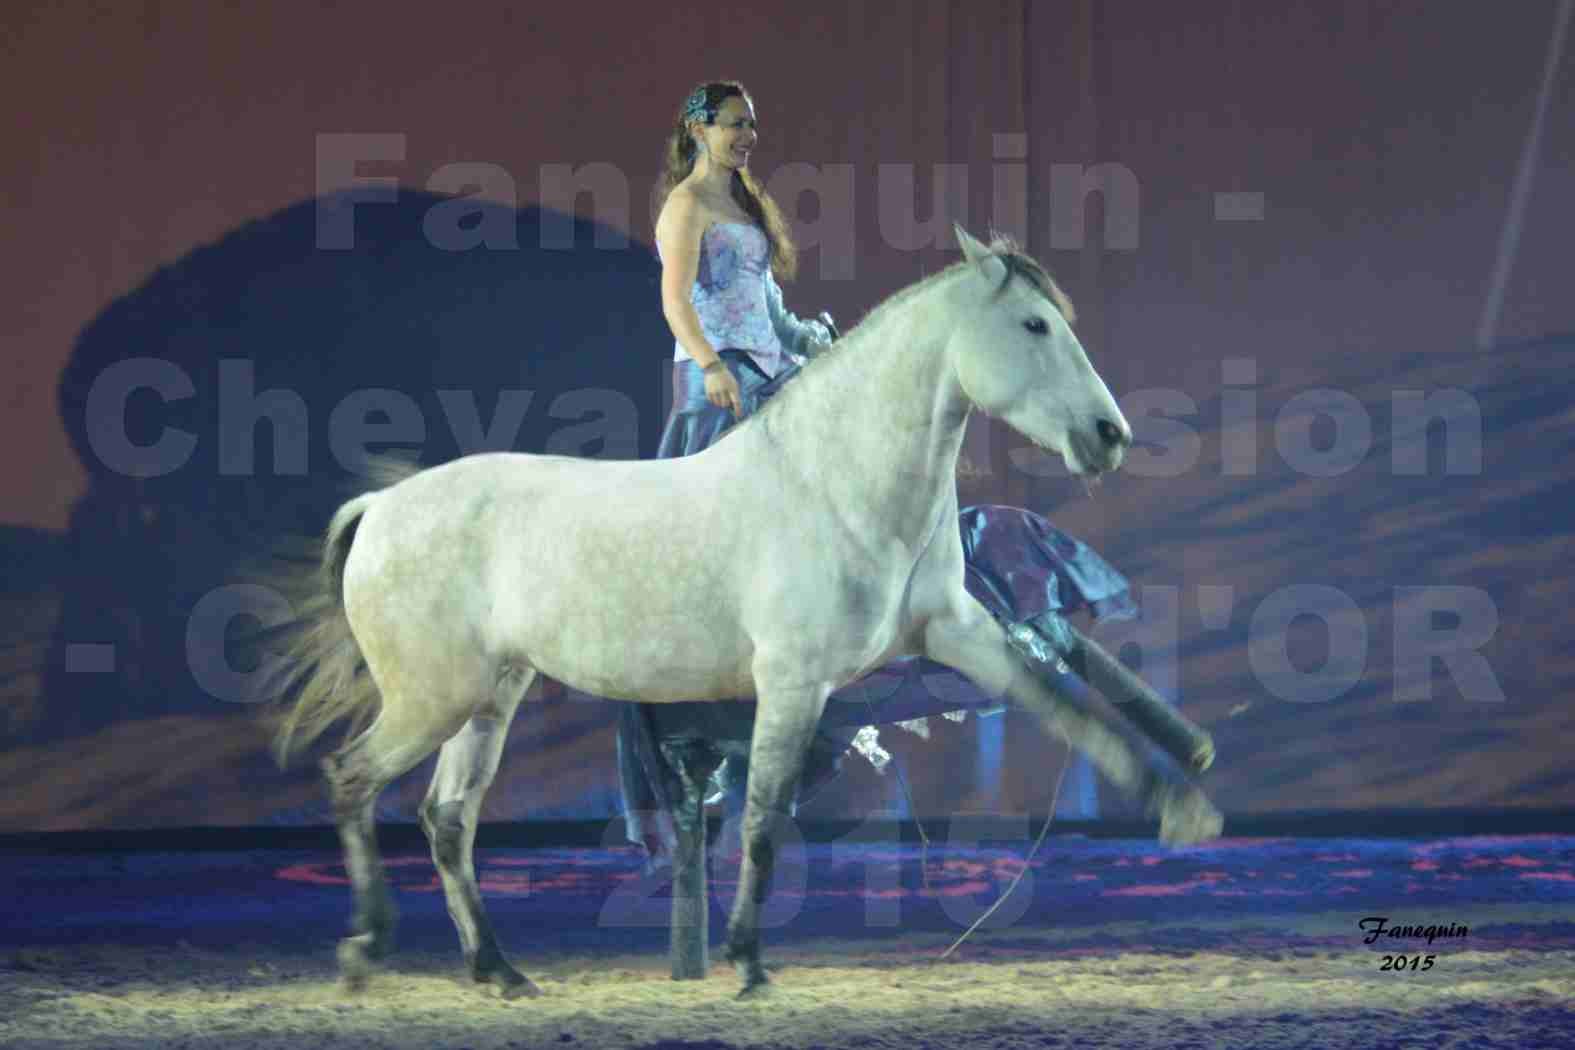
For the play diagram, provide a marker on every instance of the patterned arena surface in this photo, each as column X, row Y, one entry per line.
column 1103, row 943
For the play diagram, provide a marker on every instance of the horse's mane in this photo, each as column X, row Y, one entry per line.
column 1018, row 264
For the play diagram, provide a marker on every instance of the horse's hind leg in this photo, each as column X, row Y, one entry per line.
column 784, row 728
column 449, row 814
column 357, row 774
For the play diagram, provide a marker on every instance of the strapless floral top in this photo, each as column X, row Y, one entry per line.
column 730, row 294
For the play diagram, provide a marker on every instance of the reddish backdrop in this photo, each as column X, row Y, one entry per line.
column 1383, row 138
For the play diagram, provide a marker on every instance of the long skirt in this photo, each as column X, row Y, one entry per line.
column 1017, row 564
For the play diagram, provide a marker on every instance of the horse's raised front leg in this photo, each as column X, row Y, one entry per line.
column 785, row 724
column 449, row 814
column 972, row 642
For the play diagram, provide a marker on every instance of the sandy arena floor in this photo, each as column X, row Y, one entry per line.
column 1135, row 956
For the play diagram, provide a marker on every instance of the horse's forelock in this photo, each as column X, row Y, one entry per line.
column 1020, row 264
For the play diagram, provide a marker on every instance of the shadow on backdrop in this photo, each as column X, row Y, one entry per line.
column 218, row 407
column 106, row 724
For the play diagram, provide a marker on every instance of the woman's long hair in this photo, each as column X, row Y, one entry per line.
column 678, row 160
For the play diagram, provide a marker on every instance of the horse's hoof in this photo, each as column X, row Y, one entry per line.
column 1186, row 816
column 747, row 965
column 355, row 969
column 757, row 988
column 510, row 983
column 523, row 988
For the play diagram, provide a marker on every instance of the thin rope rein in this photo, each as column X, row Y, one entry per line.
column 924, row 839
column 1055, row 797
column 924, row 848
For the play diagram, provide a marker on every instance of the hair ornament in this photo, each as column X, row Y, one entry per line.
column 698, row 106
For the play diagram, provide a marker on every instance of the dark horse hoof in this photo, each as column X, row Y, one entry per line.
column 757, row 988
column 746, row 960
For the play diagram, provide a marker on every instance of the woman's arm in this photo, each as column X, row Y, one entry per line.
column 678, row 233
column 798, row 336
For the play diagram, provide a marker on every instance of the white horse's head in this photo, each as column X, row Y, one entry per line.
column 1016, row 357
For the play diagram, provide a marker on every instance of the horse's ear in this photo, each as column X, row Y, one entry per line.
column 972, row 250
column 988, row 263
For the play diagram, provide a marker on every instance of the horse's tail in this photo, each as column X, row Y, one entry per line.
column 325, row 677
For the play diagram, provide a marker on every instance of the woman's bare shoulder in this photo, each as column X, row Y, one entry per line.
column 702, row 207
column 683, row 211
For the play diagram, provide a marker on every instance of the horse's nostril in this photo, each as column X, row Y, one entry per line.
column 1111, row 434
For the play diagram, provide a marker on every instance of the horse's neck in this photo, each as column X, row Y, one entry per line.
column 880, row 426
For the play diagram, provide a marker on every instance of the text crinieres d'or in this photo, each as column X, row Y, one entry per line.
column 1377, row 926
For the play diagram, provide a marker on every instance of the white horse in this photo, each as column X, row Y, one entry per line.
column 816, row 543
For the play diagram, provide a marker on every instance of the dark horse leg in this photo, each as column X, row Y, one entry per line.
column 357, row 774
column 785, row 721
column 972, row 642
column 449, row 814
column 1043, row 639
column 694, row 761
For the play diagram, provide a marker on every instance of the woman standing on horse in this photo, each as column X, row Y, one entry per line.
column 723, row 243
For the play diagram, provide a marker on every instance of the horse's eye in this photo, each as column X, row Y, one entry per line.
column 1036, row 325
